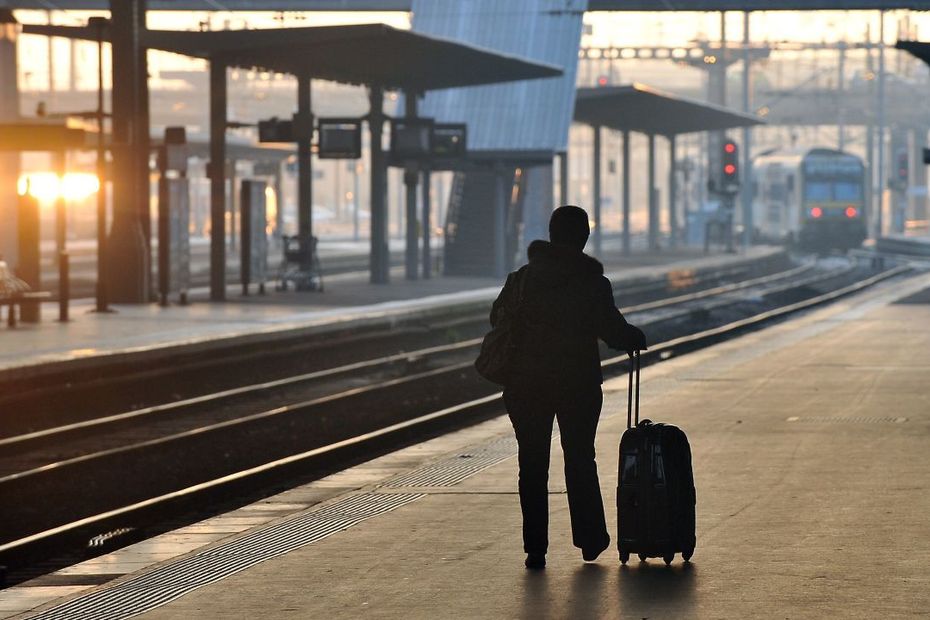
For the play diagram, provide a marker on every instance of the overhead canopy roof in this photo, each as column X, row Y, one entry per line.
column 404, row 5
column 355, row 54
column 916, row 48
column 645, row 110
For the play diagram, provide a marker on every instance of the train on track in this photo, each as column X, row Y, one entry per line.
column 812, row 199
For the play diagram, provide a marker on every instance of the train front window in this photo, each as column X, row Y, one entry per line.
column 847, row 191
column 817, row 191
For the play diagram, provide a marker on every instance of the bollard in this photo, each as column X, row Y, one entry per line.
column 64, row 286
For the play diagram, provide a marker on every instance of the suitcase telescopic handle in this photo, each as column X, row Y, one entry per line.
column 634, row 367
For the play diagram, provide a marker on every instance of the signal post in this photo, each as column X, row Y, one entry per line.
column 725, row 184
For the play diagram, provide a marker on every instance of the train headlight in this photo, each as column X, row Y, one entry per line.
column 816, row 212
column 851, row 211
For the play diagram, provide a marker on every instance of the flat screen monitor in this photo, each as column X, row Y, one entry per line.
column 411, row 138
column 449, row 140
column 276, row 130
column 339, row 138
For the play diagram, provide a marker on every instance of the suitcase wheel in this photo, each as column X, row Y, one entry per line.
column 668, row 557
column 686, row 555
column 642, row 557
column 624, row 557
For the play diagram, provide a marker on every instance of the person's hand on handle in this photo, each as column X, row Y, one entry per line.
column 636, row 340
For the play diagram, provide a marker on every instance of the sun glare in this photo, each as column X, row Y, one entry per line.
column 48, row 187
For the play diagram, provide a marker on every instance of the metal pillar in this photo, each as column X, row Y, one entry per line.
column 597, row 190
column 9, row 162
column 126, row 246
column 102, row 297
column 500, row 222
column 746, row 189
column 217, row 173
column 304, row 129
column 626, row 193
column 653, row 207
column 61, row 239
column 879, row 212
column 380, row 258
column 142, row 139
column 356, row 197
column 717, row 93
column 870, row 143
column 411, row 179
column 427, row 203
column 840, row 90
column 672, row 192
column 232, row 181
column 917, row 196
column 563, row 178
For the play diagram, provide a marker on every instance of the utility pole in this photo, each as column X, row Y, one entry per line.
column 879, row 215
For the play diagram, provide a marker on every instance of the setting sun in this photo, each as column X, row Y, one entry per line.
column 47, row 186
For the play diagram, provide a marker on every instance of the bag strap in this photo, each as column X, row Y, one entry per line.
column 634, row 367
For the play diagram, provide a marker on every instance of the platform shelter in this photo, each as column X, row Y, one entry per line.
column 373, row 55
column 642, row 109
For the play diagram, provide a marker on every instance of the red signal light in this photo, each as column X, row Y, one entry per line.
column 851, row 211
column 816, row 212
column 602, row 81
column 729, row 147
column 729, row 169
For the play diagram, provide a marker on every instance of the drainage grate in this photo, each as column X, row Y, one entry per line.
column 451, row 471
column 848, row 420
column 175, row 579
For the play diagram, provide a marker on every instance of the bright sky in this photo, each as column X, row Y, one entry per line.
column 659, row 28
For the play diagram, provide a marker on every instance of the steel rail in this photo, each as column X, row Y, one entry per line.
column 458, row 415
column 27, row 441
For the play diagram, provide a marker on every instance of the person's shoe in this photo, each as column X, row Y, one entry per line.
column 535, row 561
column 590, row 554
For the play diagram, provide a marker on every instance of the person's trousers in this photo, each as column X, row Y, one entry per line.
column 531, row 411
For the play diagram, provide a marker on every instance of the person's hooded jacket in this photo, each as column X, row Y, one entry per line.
column 567, row 305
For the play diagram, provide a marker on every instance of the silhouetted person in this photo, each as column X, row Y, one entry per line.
column 566, row 305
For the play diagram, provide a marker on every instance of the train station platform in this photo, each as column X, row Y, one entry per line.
column 809, row 441
column 149, row 332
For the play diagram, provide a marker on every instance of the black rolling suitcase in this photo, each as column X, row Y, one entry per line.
column 655, row 488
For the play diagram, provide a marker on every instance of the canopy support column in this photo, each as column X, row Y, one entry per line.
column 411, row 179
column 380, row 265
column 501, row 199
column 563, row 178
column 127, row 246
column 217, row 173
column 427, row 258
column 304, row 127
column 880, row 136
column 597, row 190
column 747, row 185
column 9, row 162
column 672, row 192
column 626, row 193
column 653, row 206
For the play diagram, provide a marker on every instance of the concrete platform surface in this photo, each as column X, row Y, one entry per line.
column 809, row 442
column 348, row 300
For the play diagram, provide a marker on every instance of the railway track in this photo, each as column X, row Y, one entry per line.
column 64, row 484
column 74, row 395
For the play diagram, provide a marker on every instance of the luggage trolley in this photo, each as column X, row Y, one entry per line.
column 292, row 265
